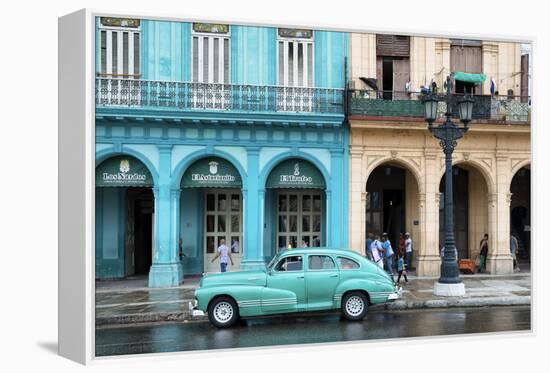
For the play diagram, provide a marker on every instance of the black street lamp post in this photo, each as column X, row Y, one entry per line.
column 448, row 133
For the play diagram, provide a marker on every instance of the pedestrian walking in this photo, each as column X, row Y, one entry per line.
column 483, row 252
column 368, row 244
column 408, row 250
column 514, row 245
column 401, row 245
column 401, row 269
column 388, row 253
column 377, row 252
column 224, row 254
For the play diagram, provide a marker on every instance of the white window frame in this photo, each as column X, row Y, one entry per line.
column 210, row 36
column 120, row 51
column 306, row 72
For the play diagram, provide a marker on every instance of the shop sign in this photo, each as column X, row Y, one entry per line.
column 123, row 171
column 212, row 172
column 296, row 173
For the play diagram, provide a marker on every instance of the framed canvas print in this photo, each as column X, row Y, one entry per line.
column 227, row 185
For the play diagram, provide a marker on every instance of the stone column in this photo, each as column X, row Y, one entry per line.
column 335, row 206
column 357, row 201
column 500, row 260
column 166, row 270
column 253, row 214
column 427, row 254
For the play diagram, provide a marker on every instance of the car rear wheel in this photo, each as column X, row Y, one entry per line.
column 223, row 312
column 355, row 306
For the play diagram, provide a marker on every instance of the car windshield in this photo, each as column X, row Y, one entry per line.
column 273, row 261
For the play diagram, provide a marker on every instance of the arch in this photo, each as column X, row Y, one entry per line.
column 478, row 166
column 184, row 164
column 264, row 174
column 398, row 162
column 516, row 168
column 111, row 152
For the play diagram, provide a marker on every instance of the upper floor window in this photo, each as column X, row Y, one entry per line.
column 119, row 46
column 210, row 53
column 295, row 57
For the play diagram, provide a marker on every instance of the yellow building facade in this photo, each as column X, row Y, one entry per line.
column 396, row 166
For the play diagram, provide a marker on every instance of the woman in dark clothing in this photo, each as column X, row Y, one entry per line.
column 483, row 252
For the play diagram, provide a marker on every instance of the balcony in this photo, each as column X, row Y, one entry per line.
column 500, row 109
column 185, row 99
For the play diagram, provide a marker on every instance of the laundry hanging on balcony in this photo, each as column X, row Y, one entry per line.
column 469, row 77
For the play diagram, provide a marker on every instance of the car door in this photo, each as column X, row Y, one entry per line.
column 322, row 278
column 286, row 287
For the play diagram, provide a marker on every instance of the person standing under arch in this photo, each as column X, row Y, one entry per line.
column 483, row 252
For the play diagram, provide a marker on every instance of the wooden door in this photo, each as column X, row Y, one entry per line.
column 524, row 78
column 401, row 75
column 467, row 59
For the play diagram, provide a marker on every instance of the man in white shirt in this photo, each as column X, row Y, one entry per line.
column 376, row 248
column 223, row 254
column 408, row 250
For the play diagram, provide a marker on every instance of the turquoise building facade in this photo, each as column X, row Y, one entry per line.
column 207, row 132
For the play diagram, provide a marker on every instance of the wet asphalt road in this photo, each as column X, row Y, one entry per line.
column 286, row 330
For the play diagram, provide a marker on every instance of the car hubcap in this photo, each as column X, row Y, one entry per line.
column 354, row 305
column 223, row 312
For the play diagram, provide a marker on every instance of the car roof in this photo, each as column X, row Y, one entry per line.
column 321, row 250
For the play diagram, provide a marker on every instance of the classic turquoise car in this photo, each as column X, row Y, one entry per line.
column 296, row 280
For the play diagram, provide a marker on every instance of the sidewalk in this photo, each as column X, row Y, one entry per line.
column 131, row 301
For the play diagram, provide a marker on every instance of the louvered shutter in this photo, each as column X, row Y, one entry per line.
column 392, row 45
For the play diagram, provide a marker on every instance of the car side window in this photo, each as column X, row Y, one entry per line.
column 290, row 263
column 320, row 262
column 347, row 263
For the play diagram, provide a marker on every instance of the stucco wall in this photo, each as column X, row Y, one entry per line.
column 492, row 154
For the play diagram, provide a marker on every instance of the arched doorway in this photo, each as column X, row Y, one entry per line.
column 520, row 211
column 392, row 204
column 295, row 206
column 211, row 206
column 471, row 208
column 124, row 217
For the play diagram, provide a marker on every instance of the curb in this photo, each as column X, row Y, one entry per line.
column 147, row 318
column 399, row 305
column 459, row 302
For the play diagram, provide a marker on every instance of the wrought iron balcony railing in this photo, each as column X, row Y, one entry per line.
column 170, row 95
column 409, row 104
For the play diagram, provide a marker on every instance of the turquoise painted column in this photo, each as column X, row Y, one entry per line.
column 253, row 214
column 175, row 195
column 337, row 204
column 329, row 220
column 166, row 270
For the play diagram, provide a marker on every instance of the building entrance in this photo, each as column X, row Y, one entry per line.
column 223, row 221
column 211, row 211
column 520, row 211
column 385, row 202
column 124, row 218
column 139, row 231
column 299, row 215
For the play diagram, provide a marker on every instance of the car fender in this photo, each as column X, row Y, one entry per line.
column 378, row 289
column 241, row 293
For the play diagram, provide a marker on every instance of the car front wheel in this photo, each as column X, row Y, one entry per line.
column 223, row 312
column 355, row 306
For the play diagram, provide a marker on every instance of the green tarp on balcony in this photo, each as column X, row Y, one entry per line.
column 470, row 78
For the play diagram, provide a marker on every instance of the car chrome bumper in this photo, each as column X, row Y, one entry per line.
column 397, row 294
column 193, row 309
